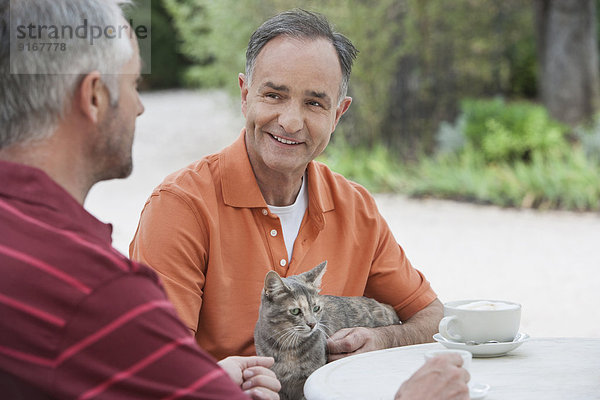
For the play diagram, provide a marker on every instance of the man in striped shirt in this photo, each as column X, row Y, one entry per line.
column 78, row 320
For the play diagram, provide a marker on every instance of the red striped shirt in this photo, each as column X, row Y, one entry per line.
column 78, row 320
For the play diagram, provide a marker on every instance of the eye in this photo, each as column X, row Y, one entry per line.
column 295, row 311
column 316, row 308
column 313, row 103
column 273, row 96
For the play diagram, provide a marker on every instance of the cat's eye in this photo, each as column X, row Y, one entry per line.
column 316, row 308
column 295, row 311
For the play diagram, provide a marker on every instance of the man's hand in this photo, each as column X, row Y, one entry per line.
column 349, row 341
column 441, row 378
column 420, row 328
column 253, row 375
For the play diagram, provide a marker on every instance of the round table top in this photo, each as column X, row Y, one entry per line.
column 549, row 368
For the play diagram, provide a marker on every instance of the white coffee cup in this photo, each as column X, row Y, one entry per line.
column 476, row 390
column 466, row 356
column 480, row 321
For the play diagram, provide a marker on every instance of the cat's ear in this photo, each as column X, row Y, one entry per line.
column 273, row 284
column 315, row 275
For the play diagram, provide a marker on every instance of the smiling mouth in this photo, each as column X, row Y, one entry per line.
column 284, row 141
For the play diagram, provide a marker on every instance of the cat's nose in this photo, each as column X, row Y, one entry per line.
column 311, row 324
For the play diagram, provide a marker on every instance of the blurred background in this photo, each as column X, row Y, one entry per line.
column 491, row 104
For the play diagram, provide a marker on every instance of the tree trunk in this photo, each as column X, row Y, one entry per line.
column 569, row 79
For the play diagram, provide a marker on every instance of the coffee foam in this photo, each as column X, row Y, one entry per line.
column 487, row 305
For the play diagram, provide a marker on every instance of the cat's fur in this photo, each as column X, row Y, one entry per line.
column 298, row 342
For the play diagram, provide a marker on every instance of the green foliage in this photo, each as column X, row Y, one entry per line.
column 375, row 168
column 589, row 137
column 553, row 175
column 522, row 58
column 167, row 63
column 453, row 50
column 513, row 155
column 510, row 132
column 570, row 181
column 214, row 35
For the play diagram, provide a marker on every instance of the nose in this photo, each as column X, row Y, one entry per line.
column 290, row 118
column 311, row 324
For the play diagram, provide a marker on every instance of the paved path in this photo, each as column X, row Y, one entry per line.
column 548, row 261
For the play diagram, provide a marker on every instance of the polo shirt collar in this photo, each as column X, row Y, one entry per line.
column 238, row 182
column 319, row 193
column 32, row 185
column 240, row 188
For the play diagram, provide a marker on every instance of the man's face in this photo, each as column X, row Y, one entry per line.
column 291, row 105
column 118, row 126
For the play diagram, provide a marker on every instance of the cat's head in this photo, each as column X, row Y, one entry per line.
column 293, row 303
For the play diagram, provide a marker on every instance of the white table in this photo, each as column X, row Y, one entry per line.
column 547, row 369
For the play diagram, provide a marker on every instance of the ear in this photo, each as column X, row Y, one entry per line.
column 243, row 82
column 92, row 97
column 315, row 275
column 341, row 110
column 273, row 284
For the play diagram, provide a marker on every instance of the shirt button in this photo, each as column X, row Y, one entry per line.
column 282, row 262
column 273, row 233
column 265, row 212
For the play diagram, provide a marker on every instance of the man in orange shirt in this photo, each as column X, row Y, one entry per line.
column 215, row 228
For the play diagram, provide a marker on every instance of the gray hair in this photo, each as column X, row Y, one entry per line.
column 304, row 24
column 36, row 87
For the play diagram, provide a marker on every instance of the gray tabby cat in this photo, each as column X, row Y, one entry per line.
column 295, row 320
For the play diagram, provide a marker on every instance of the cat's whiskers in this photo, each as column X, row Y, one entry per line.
column 291, row 340
column 323, row 327
column 284, row 335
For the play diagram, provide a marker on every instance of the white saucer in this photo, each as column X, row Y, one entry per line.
column 477, row 391
column 485, row 349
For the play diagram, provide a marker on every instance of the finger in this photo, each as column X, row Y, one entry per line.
column 254, row 361
column 262, row 381
column 453, row 359
column 254, row 371
column 342, row 333
column 352, row 343
column 466, row 376
column 345, row 344
column 262, row 394
column 261, row 361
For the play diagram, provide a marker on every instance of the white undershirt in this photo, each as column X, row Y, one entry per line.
column 291, row 217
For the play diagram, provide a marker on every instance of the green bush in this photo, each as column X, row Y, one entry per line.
column 511, row 131
column 373, row 167
column 570, row 181
column 589, row 138
column 514, row 155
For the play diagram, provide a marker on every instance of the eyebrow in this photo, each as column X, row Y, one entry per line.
column 320, row 95
column 311, row 93
column 280, row 88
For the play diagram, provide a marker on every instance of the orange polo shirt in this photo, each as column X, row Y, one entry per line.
column 209, row 234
